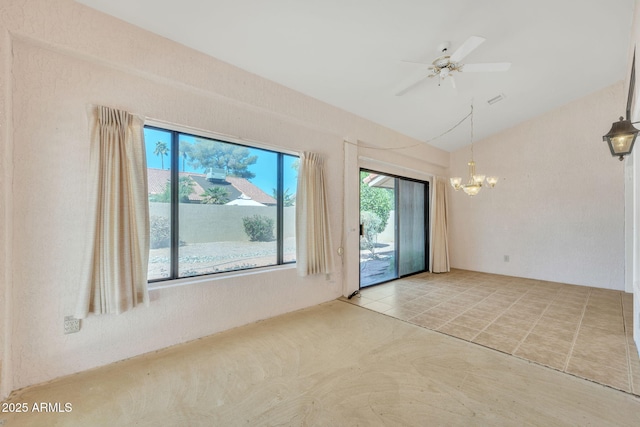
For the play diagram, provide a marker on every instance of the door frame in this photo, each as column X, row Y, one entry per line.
column 397, row 243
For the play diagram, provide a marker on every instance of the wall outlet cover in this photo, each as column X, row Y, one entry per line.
column 71, row 325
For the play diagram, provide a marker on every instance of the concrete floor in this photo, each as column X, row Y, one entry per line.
column 335, row 364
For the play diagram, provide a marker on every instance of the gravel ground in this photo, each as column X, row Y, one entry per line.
column 203, row 258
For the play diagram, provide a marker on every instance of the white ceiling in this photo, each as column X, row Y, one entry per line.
column 349, row 53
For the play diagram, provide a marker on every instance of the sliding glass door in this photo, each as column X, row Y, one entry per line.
column 412, row 250
column 393, row 227
column 377, row 228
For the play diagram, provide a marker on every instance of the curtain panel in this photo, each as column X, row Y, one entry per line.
column 313, row 239
column 440, row 253
column 115, row 270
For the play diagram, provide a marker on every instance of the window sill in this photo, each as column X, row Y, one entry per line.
column 153, row 286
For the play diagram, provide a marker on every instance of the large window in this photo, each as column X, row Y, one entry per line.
column 217, row 206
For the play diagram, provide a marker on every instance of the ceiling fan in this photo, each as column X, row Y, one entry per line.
column 446, row 65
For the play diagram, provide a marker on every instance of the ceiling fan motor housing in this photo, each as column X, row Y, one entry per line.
column 442, row 62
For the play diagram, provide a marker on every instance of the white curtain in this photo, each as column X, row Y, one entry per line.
column 115, row 270
column 313, row 240
column 440, row 252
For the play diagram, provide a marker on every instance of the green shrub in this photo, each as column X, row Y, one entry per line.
column 377, row 200
column 259, row 228
column 160, row 232
column 371, row 223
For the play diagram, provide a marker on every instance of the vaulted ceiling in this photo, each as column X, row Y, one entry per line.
column 353, row 53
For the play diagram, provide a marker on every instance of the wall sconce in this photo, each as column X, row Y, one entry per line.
column 623, row 134
column 621, row 138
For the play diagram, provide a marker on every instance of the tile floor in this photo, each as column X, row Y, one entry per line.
column 584, row 331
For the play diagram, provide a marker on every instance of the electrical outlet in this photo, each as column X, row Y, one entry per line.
column 71, row 325
column 506, row 258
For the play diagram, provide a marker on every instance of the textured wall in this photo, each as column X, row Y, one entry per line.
column 60, row 57
column 5, row 216
column 632, row 199
column 558, row 210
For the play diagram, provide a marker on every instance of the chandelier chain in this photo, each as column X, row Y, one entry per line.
column 471, row 115
column 371, row 147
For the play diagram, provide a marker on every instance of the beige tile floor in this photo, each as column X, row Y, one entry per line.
column 584, row 331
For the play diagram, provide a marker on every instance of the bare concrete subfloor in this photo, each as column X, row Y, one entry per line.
column 334, row 364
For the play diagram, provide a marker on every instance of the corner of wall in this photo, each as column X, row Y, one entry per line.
column 632, row 199
column 351, row 239
column 6, row 165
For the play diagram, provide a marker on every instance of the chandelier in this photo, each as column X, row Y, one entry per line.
column 475, row 181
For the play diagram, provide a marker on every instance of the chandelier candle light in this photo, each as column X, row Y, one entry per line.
column 475, row 181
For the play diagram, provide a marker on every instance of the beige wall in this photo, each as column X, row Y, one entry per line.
column 558, row 210
column 59, row 57
column 632, row 194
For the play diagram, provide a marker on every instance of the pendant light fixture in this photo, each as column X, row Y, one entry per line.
column 475, row 181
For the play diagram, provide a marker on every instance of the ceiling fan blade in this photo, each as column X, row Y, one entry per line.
column 413, row 85
column 467, row 47
column 477, row 68
column 406, row 61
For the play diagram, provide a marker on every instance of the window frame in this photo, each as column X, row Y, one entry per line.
column 174, row 161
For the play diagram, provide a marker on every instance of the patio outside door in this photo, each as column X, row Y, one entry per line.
column 393, row 217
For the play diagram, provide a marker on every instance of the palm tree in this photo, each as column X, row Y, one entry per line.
column 215, row 196
column 184, row 150
column 185, row 188
column 288, row 198
column 161, row 150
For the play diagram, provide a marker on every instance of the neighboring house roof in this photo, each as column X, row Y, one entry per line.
column 158, row 178
column 202, row 182
column 251, row 190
